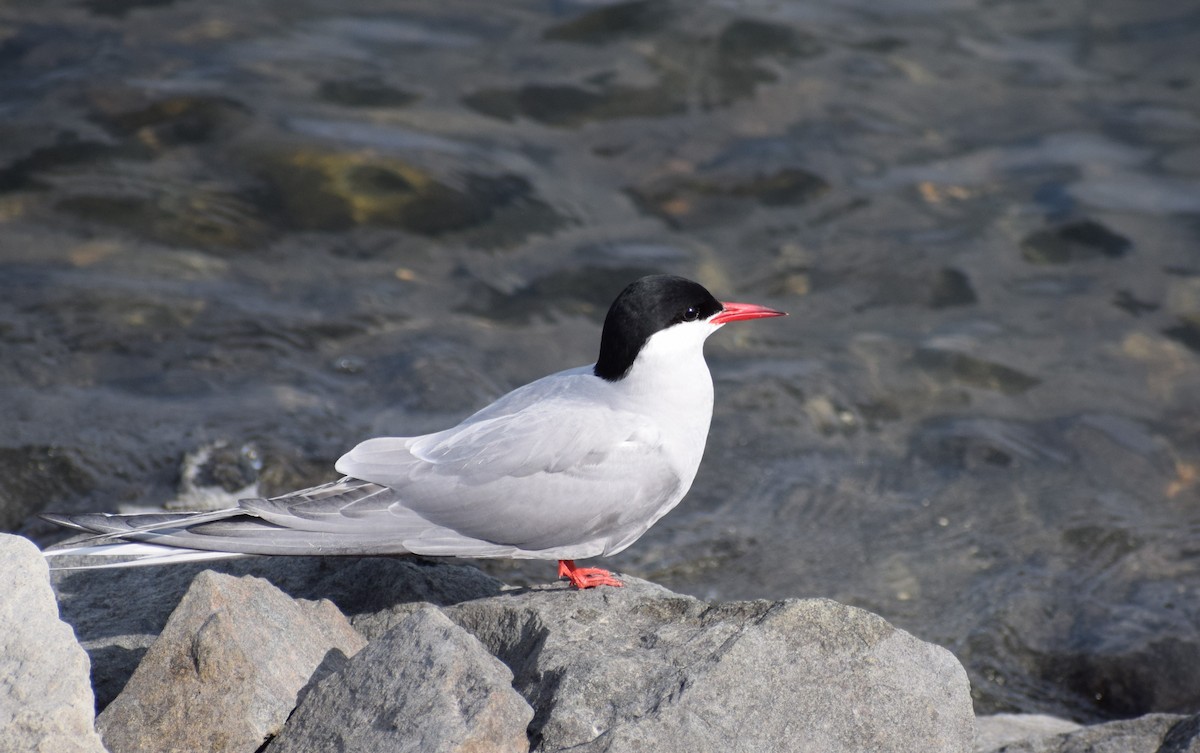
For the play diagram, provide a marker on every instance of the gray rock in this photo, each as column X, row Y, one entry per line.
column 996, row 730
column 642, row 668
column 1183, row 737
column 45, row 698
column 227, row 668
column 117, row 614
column 428, row 686
column 1152, row 733
column 624, row 669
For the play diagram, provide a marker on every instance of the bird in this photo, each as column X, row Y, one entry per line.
column 575, row 465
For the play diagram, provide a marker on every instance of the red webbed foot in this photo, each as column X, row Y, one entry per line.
column 586, row 577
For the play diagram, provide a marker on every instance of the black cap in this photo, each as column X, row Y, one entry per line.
column 643, row 308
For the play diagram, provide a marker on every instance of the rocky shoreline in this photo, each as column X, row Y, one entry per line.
column 304, row 654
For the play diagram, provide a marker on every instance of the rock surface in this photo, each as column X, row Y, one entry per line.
column 117, row 614
column 428, row 686
column 997, row 730
column 1183, row 737
column 612, row 669
column 643, row 668
column 45, row 697
column 227, row 669
column 637, row 668
column 1152, row 733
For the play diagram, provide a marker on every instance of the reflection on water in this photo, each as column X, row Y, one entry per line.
column 258, row 234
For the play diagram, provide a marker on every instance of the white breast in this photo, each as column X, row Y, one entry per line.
column 670, row 383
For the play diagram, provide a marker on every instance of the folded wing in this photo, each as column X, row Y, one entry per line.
column 557, row 474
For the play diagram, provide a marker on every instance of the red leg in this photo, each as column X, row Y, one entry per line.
column 586, row 577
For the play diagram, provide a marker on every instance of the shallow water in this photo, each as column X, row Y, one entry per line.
column 261, row 233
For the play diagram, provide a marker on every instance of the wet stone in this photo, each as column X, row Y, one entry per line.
column 1183, row 295
column 1131, row 304
column 788, row 187
column 977, row 445
column 1138, row 677
column 570, row 106
column 217, row 475
column 748, row 39
column 585, row 291
column 612, row 22
column 974, row 372
column 167, row 122
column 224, row 465
column 1186, row 333
column 30, row 50
column 742, row 56
column 951, row 288
column 34, row 475
column 881, row 45
column 697, row 200
column 1053, row 285
column 741, row 48
column 176, row 213
column 1075, row 241
column 336, row 191
column 364, row 92
column 25, row 172
column 962, row 453
column 119, row 8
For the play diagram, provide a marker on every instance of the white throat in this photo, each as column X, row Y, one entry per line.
column 671, row 358
column 670, row 382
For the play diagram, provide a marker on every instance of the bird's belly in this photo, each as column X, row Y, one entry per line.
column 563, row 515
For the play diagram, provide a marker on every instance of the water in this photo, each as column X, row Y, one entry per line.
column 259, row 233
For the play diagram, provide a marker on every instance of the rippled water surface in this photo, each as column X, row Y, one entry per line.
column 237, row 238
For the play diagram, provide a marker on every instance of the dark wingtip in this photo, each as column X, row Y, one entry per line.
column 66, row 521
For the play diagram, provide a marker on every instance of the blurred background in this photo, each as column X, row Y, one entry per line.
column 237, row 238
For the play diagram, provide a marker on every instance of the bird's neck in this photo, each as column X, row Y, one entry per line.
column 670, row 383
column 670, row 377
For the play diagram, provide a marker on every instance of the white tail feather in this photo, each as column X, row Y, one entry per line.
column 142, row 554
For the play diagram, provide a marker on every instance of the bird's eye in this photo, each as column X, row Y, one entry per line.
column 692, row 314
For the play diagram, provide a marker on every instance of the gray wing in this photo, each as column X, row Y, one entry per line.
column 551, row 468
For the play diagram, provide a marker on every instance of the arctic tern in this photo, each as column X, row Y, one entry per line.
column 575, row 465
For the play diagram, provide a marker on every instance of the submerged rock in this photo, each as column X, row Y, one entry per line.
column 966, row 369
column 336, row 190
column 571, row 106
column 608, row 23
column 693, row 200
column 32, row 473
column 1072, row 242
